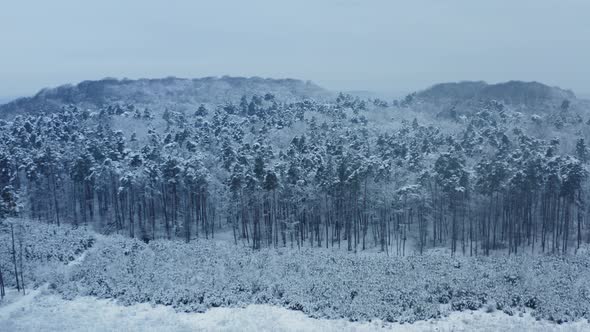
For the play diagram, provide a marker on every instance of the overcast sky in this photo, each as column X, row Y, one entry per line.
column 381, row 45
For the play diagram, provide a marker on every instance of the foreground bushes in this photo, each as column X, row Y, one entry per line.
column 45, row 249
column 323, row 283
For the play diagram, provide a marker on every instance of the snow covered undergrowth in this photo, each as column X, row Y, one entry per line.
column 44, row 311
column 46, row 249
column 327, row 284
column 352, row 289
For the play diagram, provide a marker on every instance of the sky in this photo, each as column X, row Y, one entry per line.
column 386, row 46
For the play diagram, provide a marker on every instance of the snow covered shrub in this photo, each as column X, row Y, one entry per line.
column 45, row 249
column 327, row 283
column 490, row 307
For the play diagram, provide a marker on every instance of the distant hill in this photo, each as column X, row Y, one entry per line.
column 159, row 93
column 465, row 96
column 445, row 99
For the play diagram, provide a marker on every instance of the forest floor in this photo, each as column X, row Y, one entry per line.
column 46, row 311
column 85, row 281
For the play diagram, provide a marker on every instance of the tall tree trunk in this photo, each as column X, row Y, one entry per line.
column 14, row 258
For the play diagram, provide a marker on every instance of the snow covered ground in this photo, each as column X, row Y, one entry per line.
column 40, row 310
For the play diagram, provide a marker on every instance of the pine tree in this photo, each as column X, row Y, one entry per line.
column 581, row 150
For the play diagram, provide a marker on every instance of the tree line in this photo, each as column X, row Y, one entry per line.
column 275, row 174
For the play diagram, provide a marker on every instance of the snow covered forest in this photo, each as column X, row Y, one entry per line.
column 284, row 183
column 294, row 166
column 401, row 175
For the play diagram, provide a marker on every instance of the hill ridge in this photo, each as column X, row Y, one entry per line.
column 168, row 92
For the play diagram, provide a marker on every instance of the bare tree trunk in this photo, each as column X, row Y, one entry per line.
column 55, row 201
column 20, row 245
column 2, row 291
column 14, row 258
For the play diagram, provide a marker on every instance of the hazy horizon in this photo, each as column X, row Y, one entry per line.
column 380, row 94
column 379, row 46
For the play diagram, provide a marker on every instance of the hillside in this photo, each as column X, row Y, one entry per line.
column 465, row 97
column 180, row 94
column 273, row 199
column 171, row 92
column 268, row 170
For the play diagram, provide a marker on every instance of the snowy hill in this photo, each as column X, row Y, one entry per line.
column 172, row 92
column 511, row 93
column 261, row 201
column 464, row 97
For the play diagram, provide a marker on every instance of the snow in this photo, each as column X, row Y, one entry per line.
column 14, row 302
column 41, row 310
